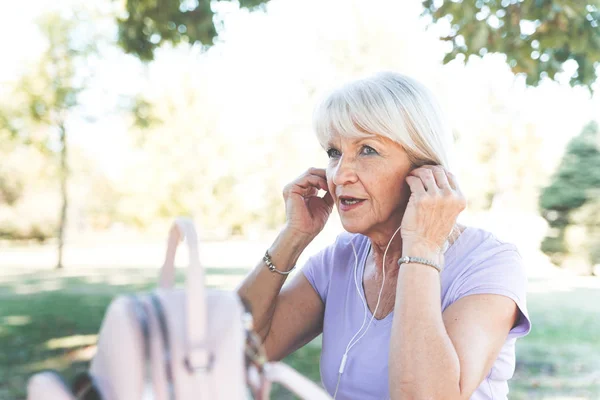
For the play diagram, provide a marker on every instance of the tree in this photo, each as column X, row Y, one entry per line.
column 147, row 24
column 570, row 203
column 221, row 146
column 536, row 36
column 46, row 97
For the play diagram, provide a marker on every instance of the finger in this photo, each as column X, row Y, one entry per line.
column 311, row 192
column 426, row 176
column 416, row 185
column 312, row 181
column 328, row 199
column 452, row 181
column 441, row 179
column 318, row 172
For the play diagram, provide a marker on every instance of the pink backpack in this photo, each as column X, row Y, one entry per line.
column 177, row 344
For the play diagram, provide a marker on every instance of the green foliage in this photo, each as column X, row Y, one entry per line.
column 11, row 188
column 573, row 198
column 34, row 120
column 53, row 87
column 577, row 175
column 537, row 36
column 553, row 245
column 148, row 24
column 43, row 96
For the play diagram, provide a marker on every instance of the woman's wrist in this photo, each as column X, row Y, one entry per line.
column 424, row 250
column 287, row 248
column 295, row 236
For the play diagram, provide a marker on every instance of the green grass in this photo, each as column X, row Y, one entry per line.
column 560, row 359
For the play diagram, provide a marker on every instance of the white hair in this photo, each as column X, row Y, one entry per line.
column 391, row 105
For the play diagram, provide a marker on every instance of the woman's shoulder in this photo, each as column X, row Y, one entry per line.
column 484, row 264
column 479, row 254
column 477, row 243
column 345, row 245
column 334, row 262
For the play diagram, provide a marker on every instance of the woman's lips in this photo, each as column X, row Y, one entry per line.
column 346, row 204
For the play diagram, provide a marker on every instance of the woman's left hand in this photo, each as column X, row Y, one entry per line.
column 434, row 205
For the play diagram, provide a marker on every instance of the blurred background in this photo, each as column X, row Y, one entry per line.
column 118, row 115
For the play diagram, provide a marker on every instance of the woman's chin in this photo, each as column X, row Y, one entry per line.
column 353, row 226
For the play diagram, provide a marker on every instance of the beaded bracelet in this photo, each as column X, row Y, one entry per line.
column 271, row 266
column 419, row 260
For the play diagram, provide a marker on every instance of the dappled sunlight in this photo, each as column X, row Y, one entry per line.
column 94, row 279
column 57, row 362
column 16, row 320
column 556, row 384
column 51, row 285
column 563, row 284
column 71, row 341
column 25, row 289
column 7, row 278
column 64, row 361
column 32, row 288
column 125, row 279
column 568, row 398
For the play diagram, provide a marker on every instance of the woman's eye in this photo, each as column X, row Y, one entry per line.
column 367, row 150
column 333, row 153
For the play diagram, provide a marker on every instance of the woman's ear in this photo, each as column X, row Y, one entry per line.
column 422, row 163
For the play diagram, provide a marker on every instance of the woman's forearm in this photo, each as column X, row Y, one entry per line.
column 261, row 287
column 423, row 363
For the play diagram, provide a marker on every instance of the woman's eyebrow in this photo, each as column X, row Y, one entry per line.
column 362, row 139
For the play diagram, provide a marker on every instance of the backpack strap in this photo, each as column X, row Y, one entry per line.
column 84, row 387
column 164, row 333
column 198, row 358
column 144, row 321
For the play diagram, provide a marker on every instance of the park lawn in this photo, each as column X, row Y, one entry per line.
column 560, row 359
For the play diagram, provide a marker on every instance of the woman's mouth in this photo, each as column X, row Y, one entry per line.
column 349, row 203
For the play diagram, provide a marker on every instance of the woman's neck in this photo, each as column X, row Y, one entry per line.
column 379, row 244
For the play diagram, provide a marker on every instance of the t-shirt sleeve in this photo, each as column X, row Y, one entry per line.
column 499, row 271
column 319, row 268
column 318, row 272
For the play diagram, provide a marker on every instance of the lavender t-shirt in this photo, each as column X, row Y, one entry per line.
column 476, row 263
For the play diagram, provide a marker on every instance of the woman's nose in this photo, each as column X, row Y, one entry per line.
column 345, row 172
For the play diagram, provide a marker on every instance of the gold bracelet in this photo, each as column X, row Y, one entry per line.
column 271, row 266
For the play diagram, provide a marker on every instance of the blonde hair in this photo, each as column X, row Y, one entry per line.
column 391, row 105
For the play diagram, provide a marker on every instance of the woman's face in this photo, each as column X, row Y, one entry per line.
column 366, row 178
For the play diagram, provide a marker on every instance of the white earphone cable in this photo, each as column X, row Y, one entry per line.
column 364, row 318
column 352, row 341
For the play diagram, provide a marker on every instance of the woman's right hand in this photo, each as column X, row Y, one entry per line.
column 306, row 212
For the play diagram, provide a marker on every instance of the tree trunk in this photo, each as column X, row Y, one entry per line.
column 64, row 175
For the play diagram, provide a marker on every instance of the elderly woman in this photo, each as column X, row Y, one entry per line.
column 411, row 305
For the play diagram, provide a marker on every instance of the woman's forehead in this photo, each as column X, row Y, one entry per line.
column 358, row 138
